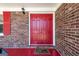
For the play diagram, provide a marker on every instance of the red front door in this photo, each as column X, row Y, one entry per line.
column 41, row 27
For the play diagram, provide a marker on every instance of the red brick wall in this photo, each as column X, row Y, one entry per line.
column 67, row 29
column 19, row 37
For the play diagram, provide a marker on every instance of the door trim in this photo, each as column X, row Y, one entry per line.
column 42, row 12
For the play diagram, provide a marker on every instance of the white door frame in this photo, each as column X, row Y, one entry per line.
column 46, row 12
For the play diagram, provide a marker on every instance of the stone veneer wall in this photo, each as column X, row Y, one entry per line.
column 19, row 37
column 67, row 29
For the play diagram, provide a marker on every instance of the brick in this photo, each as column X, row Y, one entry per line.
column 19, row 37
column 70, row 28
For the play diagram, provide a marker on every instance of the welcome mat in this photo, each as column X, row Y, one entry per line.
column 42, row 51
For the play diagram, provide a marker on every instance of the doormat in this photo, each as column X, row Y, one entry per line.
column 42, row 51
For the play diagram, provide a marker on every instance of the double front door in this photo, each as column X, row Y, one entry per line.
column 41, row 29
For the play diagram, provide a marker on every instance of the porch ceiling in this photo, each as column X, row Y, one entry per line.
column 20, row 5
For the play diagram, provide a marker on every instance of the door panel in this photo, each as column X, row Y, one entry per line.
column 41, row 28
